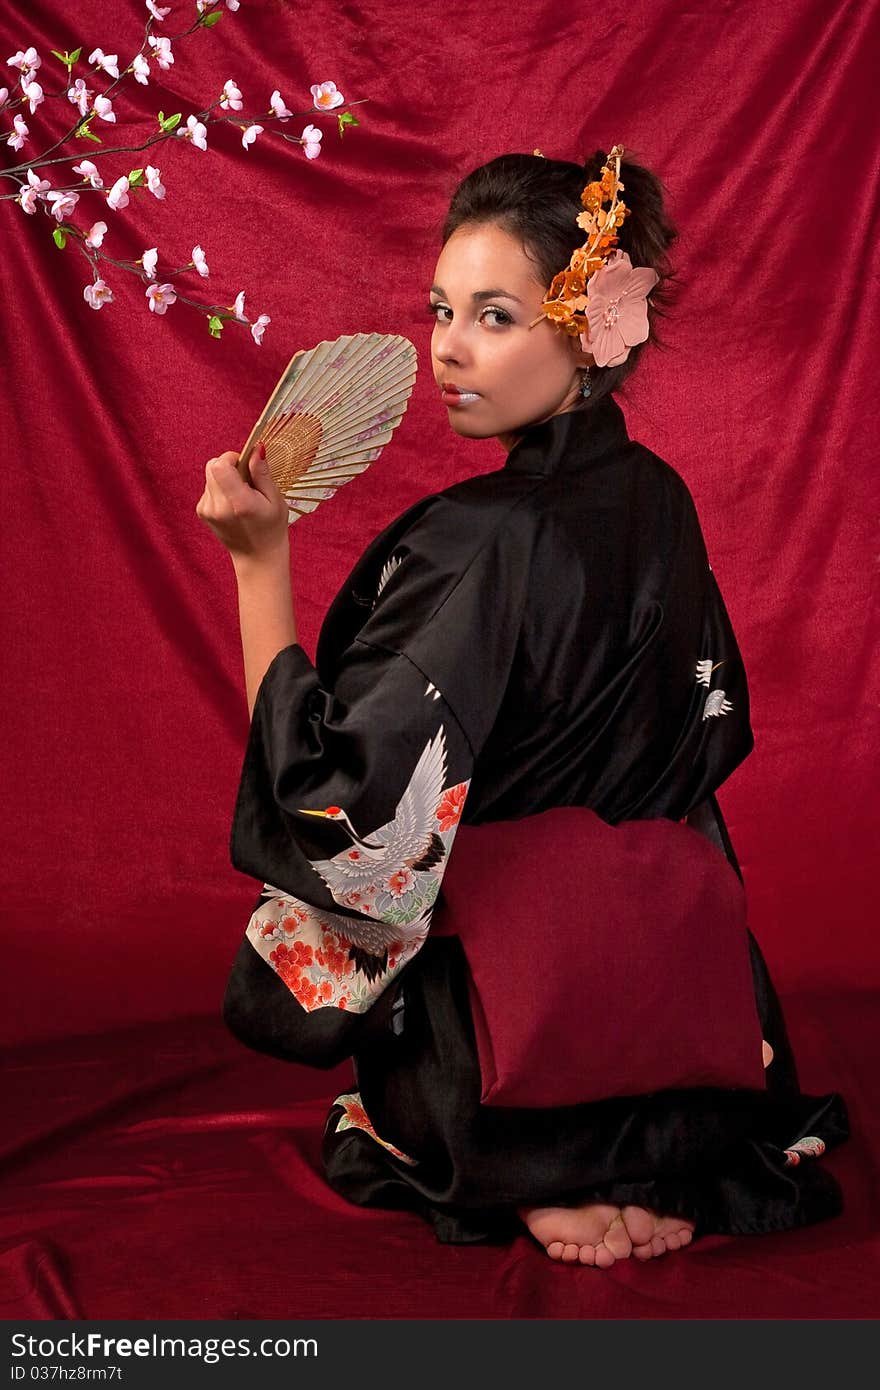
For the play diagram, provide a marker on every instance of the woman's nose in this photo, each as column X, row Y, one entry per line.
column 451, row 346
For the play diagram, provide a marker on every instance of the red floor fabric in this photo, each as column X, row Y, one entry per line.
column 126, row 716
column 166, row 1172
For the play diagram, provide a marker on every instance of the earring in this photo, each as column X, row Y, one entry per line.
column 586, row 384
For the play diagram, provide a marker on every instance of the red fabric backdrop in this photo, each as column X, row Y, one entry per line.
column 125, row 709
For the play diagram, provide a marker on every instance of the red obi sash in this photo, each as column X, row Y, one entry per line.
column 604, row 960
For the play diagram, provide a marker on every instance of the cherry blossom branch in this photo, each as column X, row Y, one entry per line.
column 203, row 117
column 201, row 22
column 30, row 187
column 218, row 313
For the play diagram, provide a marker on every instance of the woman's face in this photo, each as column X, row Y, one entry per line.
column 482, row 342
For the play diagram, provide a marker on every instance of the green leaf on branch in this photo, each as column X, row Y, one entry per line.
column 344, row 119
column 136, row 178
column 169, row 122
column 68, row 59
column 208, row 20
column 85, row 133
column 59, row 236
column 215, row 326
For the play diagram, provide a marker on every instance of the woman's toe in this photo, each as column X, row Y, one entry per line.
column 588, row 1255
column 555, row 1249
column 617, row 1239
column 570, row 1253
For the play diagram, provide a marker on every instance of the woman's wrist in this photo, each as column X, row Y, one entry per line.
column 265, row 610
column 253, row 566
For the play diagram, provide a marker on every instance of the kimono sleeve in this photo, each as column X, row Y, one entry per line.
column 350, row 797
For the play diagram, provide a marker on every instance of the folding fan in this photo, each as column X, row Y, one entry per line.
column 331, row 414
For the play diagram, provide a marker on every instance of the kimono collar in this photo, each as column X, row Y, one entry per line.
column 574, row 439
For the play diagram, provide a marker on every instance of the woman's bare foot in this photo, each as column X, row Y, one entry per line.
column 654, row 1235
column 593, row 1234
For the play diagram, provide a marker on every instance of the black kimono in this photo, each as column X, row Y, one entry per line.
column 549, row 634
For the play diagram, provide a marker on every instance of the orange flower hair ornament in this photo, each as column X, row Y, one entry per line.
column 600, row 296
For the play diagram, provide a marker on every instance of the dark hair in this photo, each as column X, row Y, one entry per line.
column 538, row 200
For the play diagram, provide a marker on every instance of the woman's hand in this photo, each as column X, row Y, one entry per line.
column 251, row 521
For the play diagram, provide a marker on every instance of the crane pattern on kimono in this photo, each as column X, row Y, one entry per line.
column 406, row 852
column 354, row 1116
column 390, row 874
column 716, row 701
column 391, row 564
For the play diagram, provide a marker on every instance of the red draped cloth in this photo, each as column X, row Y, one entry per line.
column 135, row 1120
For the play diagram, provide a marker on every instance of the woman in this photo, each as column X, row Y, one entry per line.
column 538, row 662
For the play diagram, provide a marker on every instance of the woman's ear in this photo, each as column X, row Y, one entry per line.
column 583, row 355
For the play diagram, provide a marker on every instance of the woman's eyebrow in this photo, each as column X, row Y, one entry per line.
column 482, row 294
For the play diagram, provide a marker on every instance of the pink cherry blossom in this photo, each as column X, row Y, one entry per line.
column 161, row 51
column 231, row 98
column 89, row 171
column 17, row 138
column 238, row 306
column 141, row 69
column 160, row 296
column 154, row 182
column 259, row 328
column 278, row 106
column 156, row 12
column 39, row 185
column 80, row 95
column 27, row 61
column 202, row 5
column 34, row 93
column 199, row 261
column 107, row 61
column 326, row 96
column 104, row 109
column 617, row 311
column 36, row 189
column 62, row 204
column 4, row 96
column 148, row 260
column 251, row 134
column 195, row 131
column 97, row 294
column 118, row 197
column 311, row 138
column 96, row 234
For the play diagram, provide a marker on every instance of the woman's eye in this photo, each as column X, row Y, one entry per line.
column 501, row 314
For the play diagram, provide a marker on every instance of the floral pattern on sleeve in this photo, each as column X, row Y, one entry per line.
column 811, row 1146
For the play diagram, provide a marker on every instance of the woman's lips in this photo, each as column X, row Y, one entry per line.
column 459, row 397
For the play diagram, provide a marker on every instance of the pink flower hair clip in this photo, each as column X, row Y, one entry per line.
column 601, row 297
